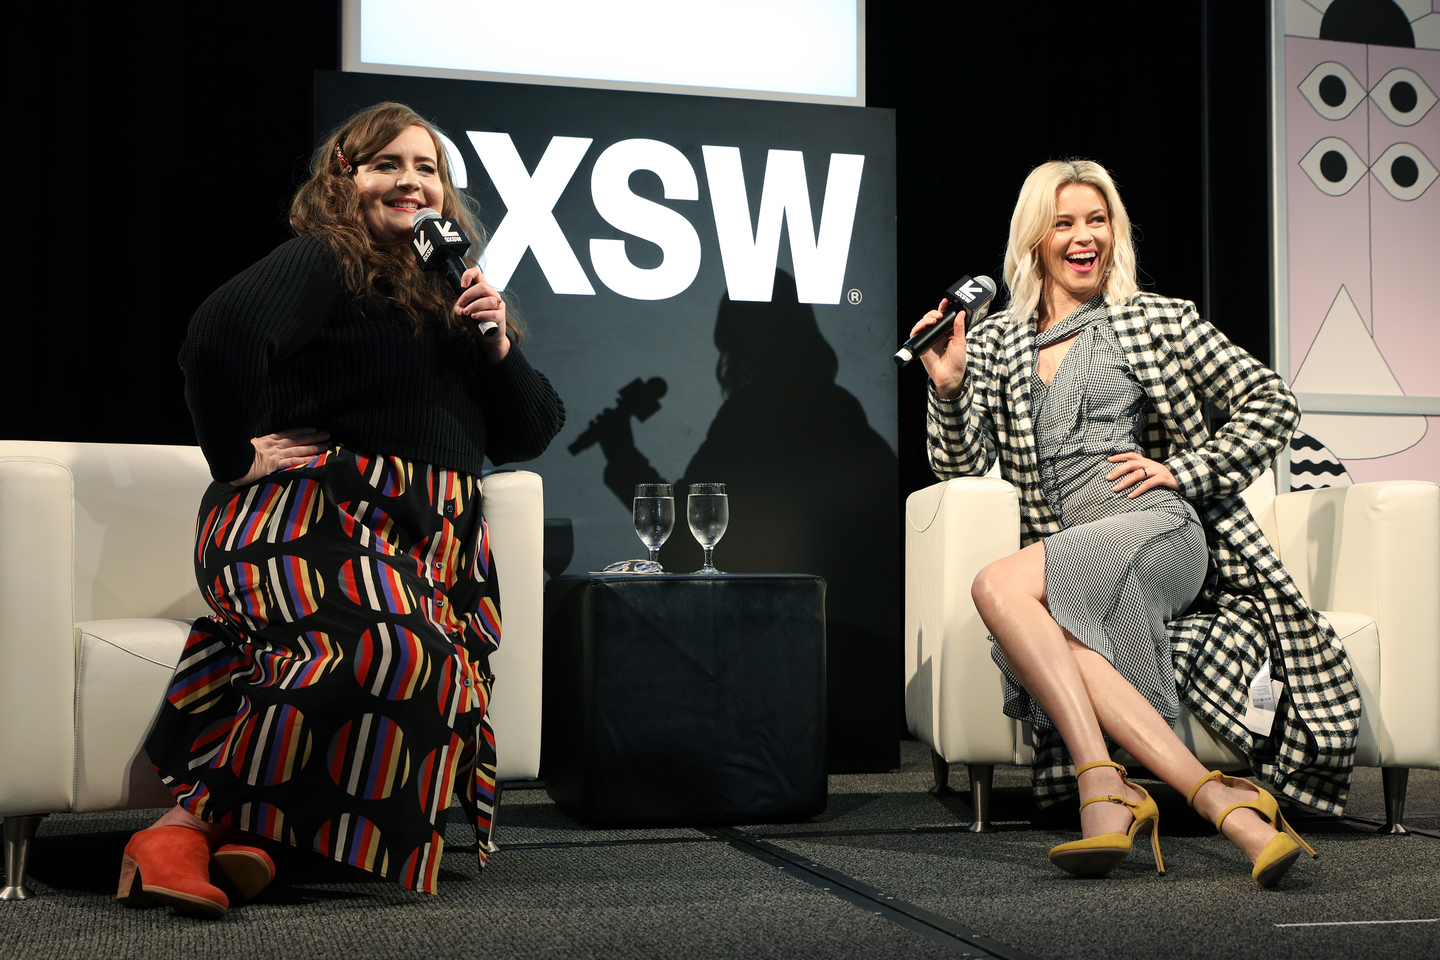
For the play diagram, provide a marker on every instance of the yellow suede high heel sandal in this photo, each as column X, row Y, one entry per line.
column 1283, row 849
column 1097, row 856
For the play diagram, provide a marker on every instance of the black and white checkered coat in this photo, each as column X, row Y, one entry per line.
column 1181, row 360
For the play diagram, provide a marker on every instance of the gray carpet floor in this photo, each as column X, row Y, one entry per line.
column 886, row 871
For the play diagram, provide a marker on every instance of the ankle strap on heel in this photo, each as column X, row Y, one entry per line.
column 1100, row 763
column 1212, row 775
column 1109, row 799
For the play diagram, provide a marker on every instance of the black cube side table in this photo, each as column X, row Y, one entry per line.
column 685, row 699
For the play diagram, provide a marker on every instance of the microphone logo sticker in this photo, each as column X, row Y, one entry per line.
column 448, row 231
column 424, row 247
column 970, row 291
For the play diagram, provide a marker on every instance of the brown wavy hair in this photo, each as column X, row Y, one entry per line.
column 328, row 206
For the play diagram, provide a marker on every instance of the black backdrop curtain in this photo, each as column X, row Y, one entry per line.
column 173, row 134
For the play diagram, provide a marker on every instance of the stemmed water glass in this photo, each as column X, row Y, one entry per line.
column 708, row 510
column 654, row 515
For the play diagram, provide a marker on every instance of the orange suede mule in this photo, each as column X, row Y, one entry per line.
column 248, row 869
column 1097, row 856
column 1282, row 850
column 170, row 865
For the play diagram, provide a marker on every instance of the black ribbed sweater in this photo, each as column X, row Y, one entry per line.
column 283, row 345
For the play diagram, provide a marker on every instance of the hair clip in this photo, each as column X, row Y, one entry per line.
column 344, row 164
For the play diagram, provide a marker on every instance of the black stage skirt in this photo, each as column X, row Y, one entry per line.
column 337, row 698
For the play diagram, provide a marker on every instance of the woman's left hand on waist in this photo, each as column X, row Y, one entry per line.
column 1138, row 474
column 284, row 450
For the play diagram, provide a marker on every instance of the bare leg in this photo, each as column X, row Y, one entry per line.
column 1084, row 695
column 1010, row 596
column 1133, row 723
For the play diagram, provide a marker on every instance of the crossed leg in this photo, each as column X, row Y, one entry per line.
column 1087, row 698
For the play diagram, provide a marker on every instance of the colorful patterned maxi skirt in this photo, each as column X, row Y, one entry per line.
column 341, row 687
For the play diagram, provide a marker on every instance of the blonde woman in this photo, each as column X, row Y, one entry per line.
column 1142, row 581
column 345, row 401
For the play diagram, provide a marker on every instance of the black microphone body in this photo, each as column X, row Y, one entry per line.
column 437, row 246
column 971, row 294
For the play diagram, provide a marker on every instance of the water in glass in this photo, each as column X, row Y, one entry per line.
column 709, row 516
column 708, row 511
column 654, row 515
column 654, row 521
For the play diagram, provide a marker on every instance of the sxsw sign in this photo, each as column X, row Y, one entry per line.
column 748, row 252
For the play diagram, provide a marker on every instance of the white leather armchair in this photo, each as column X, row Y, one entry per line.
column 97, row 588
column 1367, row 556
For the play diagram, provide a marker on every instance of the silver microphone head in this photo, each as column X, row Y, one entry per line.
column 427, row 214
column 984, row 308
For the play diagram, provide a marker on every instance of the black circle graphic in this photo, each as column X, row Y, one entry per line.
column 1403, row 97
column 1379, row 22
column 1333, row 166
column 1332, row 90
column 1404, row 171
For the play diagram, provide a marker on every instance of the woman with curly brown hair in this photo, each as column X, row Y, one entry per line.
column 338, row 694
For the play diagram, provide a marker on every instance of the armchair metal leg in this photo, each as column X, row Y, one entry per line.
column 19, row 831
column 1395, row 780
column 981, row 776
column 942, row 774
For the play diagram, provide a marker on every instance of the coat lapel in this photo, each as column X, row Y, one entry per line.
column 1136, row 338
column 1017, row 349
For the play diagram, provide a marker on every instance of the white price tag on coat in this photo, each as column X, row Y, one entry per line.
column 1264, row 698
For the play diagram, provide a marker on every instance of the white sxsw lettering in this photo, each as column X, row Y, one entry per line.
column 749, row 258
column 622, row 209
column 529, row 200
column 456, row 160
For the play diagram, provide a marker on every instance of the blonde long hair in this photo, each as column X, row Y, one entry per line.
column 327, row 205
column 1034, row 218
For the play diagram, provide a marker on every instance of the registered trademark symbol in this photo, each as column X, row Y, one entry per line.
column 854, row 296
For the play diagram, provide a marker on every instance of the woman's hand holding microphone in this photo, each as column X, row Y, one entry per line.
column 480, row 302
column 945, row 359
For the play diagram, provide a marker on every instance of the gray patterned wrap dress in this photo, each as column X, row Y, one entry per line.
column 1122, row 567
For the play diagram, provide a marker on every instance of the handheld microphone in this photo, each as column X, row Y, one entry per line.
column 437, row 246
column 969, row 294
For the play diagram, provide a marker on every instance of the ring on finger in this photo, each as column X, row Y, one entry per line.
column 1145, row 471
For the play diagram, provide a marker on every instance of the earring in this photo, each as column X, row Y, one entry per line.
column 344, row 164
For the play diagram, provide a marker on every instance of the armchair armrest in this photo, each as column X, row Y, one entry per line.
column 1374, row 548
column 513, row 502
column 37, row 636
column 953, row 692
